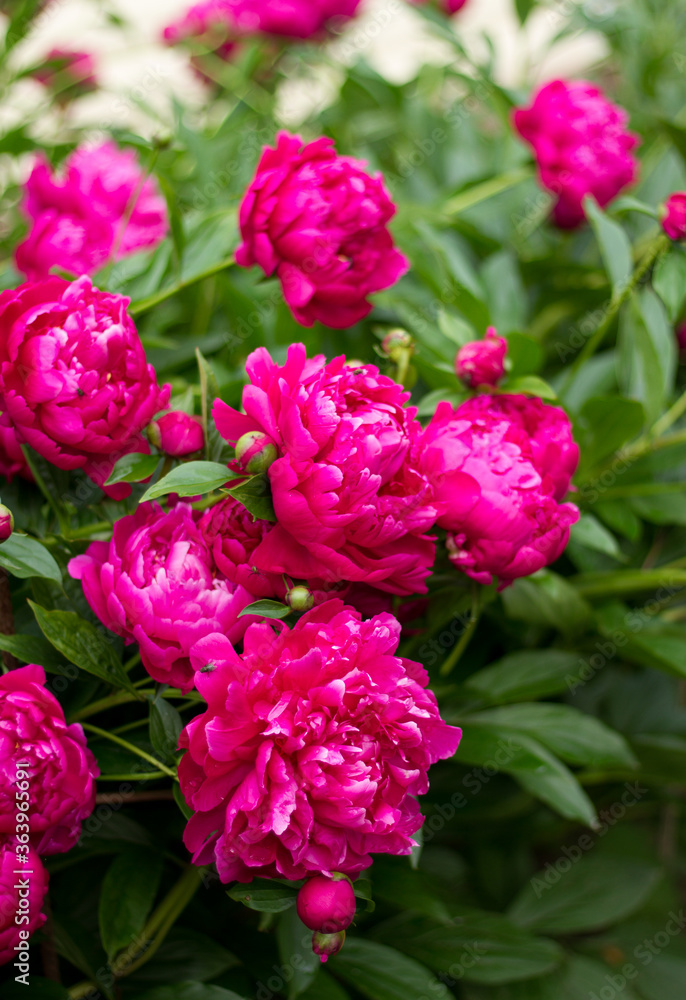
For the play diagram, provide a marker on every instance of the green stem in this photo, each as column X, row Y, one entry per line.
column 136, row 308
column 88, row 530
column 655, row 250
column 488, row 189
column 626, row 583
column 147, row 776
column 131, row 748
column 453, row 659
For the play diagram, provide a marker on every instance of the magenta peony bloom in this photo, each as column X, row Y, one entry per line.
column 177, row 433
column 103, row 208
column 156, row 582
column 219, row 23
column 12, row 461
column 313, row 747
column 233, row 534
column 326, row 904
column 498, row 465
column 34, row 878
column 349, row 503
column 6, row 522
column 61, row 768
column 319, row 221
column 581, row 144
column 70, row 72
column 73, row 377
column 482, row 362
column 674, row 216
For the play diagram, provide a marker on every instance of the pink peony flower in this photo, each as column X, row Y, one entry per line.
column 498, row 465
column 104, row 208
column 348, row 501
column 674, row 216
column 319, row 221
column 12, row 903
column 6, row 522
column 62, row 770
column 156, row 582
column 582, row 146
column 233, row 534
column 482, row 362
column 12, row 461
column 326, row 904
column 219, row 23
column 69, row 72
column 73, row 377
column 177, row 433
column 312, row 749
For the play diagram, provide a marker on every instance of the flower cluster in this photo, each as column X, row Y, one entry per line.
column 103, row 208
column 582, row 146
column 47, row 789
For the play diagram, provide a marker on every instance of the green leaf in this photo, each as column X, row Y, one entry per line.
column 615, row 248
column 256, row 496
column 82, row 644
column 475, row 947
column 24, row 557
column 322, row 987
column 128, row 893
column 535, row 768
column 184, row 955
column 189, row 991
column 647, row 353
column 547, row 599
column 534, row 673
column 41, row 989
column 583, row 896
column 264, row 895
column 573, row 736
column 669, row 281
column 606, row 423
column 589, row 532
column 531, row 385
column 32, row 649
column 266, row 609
column 165, row 728
column 133, row 468
column 190, row 479
column 209, row 391
column 181, row 802
column 524, row 8
column 382, row 973
column 295, row 952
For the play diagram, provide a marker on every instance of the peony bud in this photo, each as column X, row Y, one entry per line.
column 674, row 216
column 481, row 362
column 326, row 905
column 326, row 945
column 300, row 599
column 6, row 522
column 177, row 433
column 395, row 343
column 255, row 452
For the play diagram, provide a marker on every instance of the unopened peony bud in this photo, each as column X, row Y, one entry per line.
column 255, row 452
column 6, row 523
column 300, row 599
column 177, row 434
column 482, row 362
column 326, row 905
column 674, row 216
column 395, row 343
column 326, row 945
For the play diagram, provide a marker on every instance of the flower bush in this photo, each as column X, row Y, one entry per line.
column 342, row 476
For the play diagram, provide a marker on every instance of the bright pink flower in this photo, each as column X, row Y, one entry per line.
column 219, row 23
column 12, row 461
column 233, row 534
column 6, row 522
column 104, row 207
column 61, row 768
column 69, row 71
column 326, row 904
column 581, row 144
column 349, row 504
column 674, row 218
column 177, row 433
column 156, row 583
column 497, row 464
column 73, row 377
column 10, row 898
column 319, row 221
column 312, row 749
column 482, row 362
